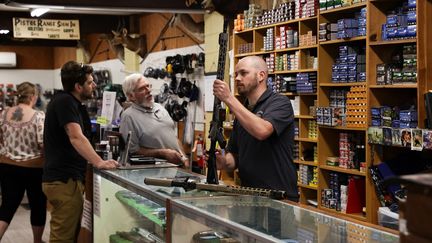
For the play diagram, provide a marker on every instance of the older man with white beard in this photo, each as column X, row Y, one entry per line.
column 153, row 130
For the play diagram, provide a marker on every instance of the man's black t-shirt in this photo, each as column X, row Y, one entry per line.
column 269, row 163
column 62, row 161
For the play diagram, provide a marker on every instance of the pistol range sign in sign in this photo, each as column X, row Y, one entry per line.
column 54, row 29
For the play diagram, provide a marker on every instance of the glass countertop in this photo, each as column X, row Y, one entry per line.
column 276, row 221
column 134, row 180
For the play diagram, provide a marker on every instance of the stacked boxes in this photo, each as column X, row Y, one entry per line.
column 361, row 19
column 270, row 60
column 288, row 38
column 305, row 8
column 272, row 84
column 315, row 154
column 308, row 39
column 282, row 84
column 350, row 66
column 245, row 48
column 282, row 13
column 335, row 114
column 312, row 129
column 239, row 23
column 331, row 4
column 292, row 9
column 268, row 40
column 251, row 16
column 401, row 23
column 306, row 82
column 408, row 118
column 351, row 151
column 346, row 152
column 312, row 109
column 331, row 198
column 287, row 61
column 347, row 28
column 327, row 31
column 330, row 116
column 403, row 70
column 311, row 61
column 356, row 112
column 308, row 175
column 338, row 98
column 409, row 66
column 385, row 116
column 344, row 28
column 290, row 84
column 296, row 151
column 393, row 117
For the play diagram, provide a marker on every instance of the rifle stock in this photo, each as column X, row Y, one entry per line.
column 216, row 128
column 190, row 185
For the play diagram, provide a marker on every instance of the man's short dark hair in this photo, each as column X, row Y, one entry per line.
column 72, row 73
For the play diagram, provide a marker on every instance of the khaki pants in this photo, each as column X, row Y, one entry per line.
column 66, row 200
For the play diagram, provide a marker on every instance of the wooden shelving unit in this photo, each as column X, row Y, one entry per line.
column 377, row 52
column 306, row 100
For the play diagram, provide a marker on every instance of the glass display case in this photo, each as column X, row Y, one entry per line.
column 127, row 210
column 257, row 219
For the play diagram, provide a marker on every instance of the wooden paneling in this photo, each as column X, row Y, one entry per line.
column 63, row 55
column 152, row 25
column 31, row 57
column 102, row 51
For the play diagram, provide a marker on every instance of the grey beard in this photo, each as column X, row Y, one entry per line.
column 147, row 104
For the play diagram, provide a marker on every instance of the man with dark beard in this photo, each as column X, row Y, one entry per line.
column 67, row 151
column 153, row 130
column 262, row 141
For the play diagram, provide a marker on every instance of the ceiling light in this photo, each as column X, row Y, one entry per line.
column 37, row 12
column 4, row 32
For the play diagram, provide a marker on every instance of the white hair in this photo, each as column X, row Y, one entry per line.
column 130, row 83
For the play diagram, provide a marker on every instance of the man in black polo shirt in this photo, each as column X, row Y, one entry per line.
column 262, row 141
column 67, row 151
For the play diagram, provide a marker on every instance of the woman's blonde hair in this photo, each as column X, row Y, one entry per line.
column 25, row 91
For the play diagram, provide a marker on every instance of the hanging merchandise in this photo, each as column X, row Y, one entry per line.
column 10, row 99
column 200, row 150
column 39, row 102
column 175, row 110
column 2, row 97
column 184, row 89
column 194, row 93
column 163, row 95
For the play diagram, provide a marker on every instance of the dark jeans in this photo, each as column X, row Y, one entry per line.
column 14, row 181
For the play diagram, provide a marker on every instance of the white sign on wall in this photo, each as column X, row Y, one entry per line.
column 55, row 29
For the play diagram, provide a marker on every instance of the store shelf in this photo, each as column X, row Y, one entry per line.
column 295, row 71
column 351, row 8
column 342, row 84
column 342, row 170
column 307, row 186
column 296, row 48
column 288, row 93
column 345, row 128
column 292, row 21
column 340, row 41
column 243, row 31
column 303, row 162
column 393, row 42
column 358, row 216
column 253, row 53
column 307, row 94
column 304, row 117
column 394, row 86
column 306, row 140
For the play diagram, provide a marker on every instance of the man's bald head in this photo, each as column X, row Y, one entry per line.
column 255, row 62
